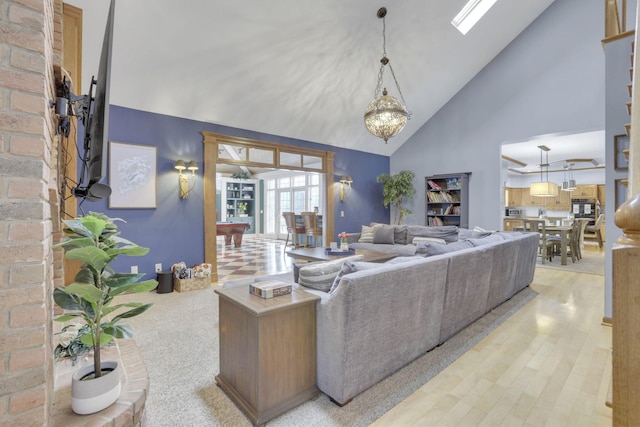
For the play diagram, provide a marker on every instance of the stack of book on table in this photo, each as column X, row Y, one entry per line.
column 270, row 288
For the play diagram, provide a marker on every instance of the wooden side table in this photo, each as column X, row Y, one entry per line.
column 267, row 351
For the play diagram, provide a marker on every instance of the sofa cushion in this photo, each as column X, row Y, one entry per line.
column 400, row 235
column 447, row 232
column 351, row 266
column 320, row 275
column 429, row 248
column 366, row 234
column 383, row 234
column 429, row 239
column 492, row 238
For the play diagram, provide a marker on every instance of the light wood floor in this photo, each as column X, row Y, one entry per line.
column 548, row 365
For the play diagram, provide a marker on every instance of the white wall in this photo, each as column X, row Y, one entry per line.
column 550, row 80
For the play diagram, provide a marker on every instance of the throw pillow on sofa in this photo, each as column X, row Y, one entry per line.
column 400, row 235
column 430, row 249
column 351, row 266
column 429, row 239
column 383, row 234
column 320, row 275
column 366, row 234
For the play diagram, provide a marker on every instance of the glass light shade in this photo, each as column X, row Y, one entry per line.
column 572, row 185
column 180, row 165
column 543, row 189
column 385, row 117
column 193, row 166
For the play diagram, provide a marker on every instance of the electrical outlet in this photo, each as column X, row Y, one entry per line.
column 342, row 214
column 134, row 269
column 158, row 267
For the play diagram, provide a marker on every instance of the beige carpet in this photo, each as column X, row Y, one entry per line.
column 592, row 262
column 178, row 339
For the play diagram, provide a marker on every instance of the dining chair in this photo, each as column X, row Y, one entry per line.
column 574, row 245
column 572, row 241
column 545, row 244
column 595, row 229
column 295, row 228
column 312, row 227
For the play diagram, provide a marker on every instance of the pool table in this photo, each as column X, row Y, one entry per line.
column 235, row 230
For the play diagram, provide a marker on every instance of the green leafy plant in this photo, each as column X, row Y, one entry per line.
column 95, row 240
column 242, row 207
column 240, row 175
column 395, row 189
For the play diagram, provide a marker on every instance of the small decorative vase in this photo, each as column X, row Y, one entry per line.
column 344, row 246
column 92, row 395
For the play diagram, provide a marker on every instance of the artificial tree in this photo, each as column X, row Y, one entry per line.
column 395, row 189
column 95, row 240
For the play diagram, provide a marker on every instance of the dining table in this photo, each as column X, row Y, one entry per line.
column 561, row 231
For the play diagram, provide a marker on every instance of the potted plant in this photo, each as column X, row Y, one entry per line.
column 95, row 241
column 395, row 189
column 242, row 208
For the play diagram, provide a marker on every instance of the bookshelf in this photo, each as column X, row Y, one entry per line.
column 447, row 199
column 235, row 195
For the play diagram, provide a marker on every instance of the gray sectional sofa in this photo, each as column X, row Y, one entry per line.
column 377, row 318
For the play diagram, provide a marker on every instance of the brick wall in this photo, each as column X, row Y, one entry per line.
column 30, row 47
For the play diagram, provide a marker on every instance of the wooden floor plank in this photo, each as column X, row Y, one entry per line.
column 549, row 364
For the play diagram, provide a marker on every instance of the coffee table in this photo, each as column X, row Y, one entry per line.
column 320, row 254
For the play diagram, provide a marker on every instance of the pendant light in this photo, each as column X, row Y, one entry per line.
column 568, row 183
column 543, row 188
column 385, row 116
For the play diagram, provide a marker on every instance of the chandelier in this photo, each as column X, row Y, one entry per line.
column 385, row 116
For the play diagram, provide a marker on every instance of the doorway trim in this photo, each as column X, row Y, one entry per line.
column 212, row 140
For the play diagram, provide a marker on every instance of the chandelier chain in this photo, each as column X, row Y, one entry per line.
column 385, row 61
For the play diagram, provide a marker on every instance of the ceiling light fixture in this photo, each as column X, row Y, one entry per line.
column 385, row 116
column 570, row 183
column 543, row 188
column 470, row 14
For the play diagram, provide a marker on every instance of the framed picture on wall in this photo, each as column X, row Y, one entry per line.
column 621, row 143
column 621, row 191
column 132, row 176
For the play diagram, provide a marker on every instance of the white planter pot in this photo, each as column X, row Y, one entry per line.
column 93, row 395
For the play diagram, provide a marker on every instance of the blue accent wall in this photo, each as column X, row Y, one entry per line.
column 174, row 231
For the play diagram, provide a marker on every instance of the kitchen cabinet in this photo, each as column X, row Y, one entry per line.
column 513, row 196
column 562, row 202
column 585, row 191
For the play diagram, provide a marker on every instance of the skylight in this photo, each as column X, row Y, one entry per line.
column 471, row 14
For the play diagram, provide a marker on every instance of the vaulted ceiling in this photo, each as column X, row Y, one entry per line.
column 299, row 69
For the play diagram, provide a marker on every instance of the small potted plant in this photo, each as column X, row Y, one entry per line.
column 94, row 239
column 242, row 208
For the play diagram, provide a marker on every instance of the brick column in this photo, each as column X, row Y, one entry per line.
column 30, row 46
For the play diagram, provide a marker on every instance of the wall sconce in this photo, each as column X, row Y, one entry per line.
column 345, row 180
column 185, row 185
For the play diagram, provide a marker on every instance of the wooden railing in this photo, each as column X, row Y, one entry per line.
column 626, row 316
column 615, row 20
column 626, row 265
